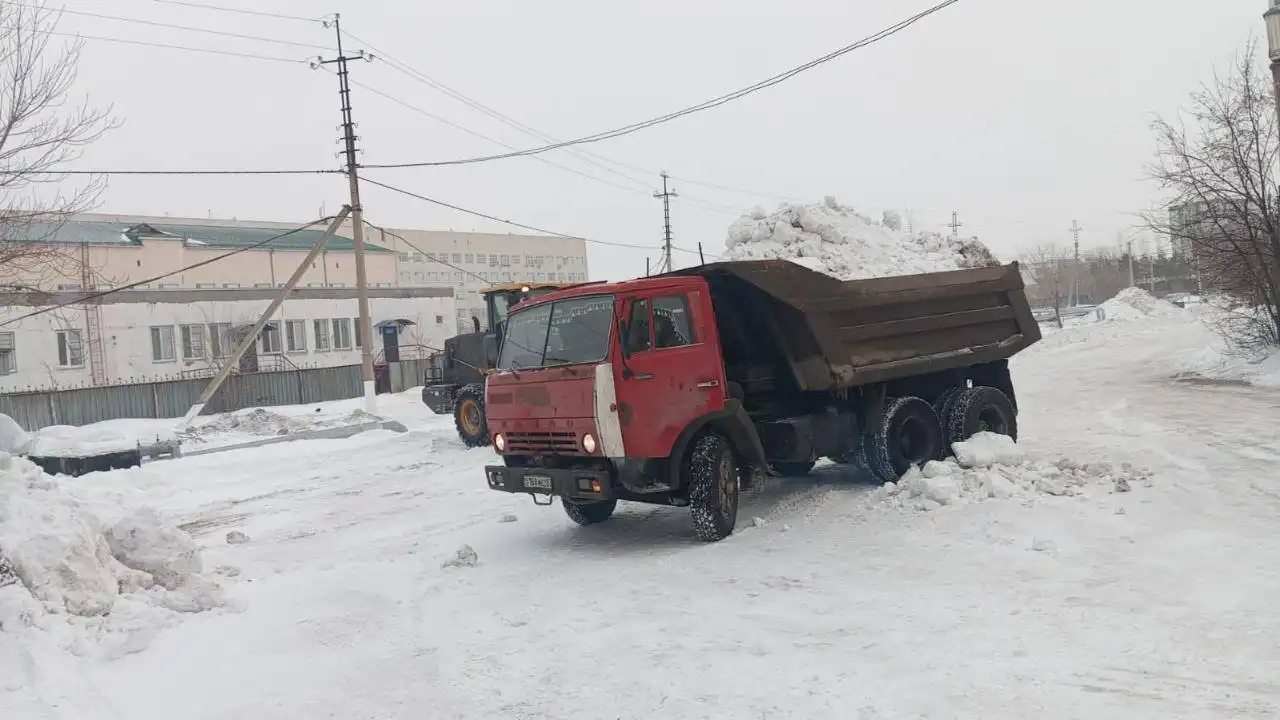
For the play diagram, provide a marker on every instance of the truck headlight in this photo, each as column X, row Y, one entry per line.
column 588, row 443
column 500, row 442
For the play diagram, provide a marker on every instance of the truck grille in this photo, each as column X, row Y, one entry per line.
column 539, row 443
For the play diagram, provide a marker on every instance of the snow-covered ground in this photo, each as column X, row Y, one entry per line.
column 1013, row 583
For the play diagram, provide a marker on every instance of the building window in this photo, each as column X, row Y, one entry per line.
column 162, row 344
column 8, row 354
column 269, row 338
column 359, row 334
column 295, row 336
column 320, row 328
column 221, row 339
column 337, row 285
column 457, row 257
column 470, row 258
column 439, row 319
column 70, row 349
column 69, row 286
column 341, row 334
column 419, row 277
column 262, row 285
column 404, row 277
column 206, row 286
column 230, row 285
column 169, row 286
column 404, row 257
column 506, row 261
column 192, row 342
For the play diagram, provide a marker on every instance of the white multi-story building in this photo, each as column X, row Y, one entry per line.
column 147, row 335
column 103, row 251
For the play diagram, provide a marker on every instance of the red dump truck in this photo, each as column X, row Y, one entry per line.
column 684, row 388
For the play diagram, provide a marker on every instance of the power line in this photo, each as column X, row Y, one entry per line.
column 512, row 223
column 730, row 188
column 94, row 296
column 144, row 43
column 171, row 26
column 187, row 172
column 583, row 154
column 706, row 105
column 256, row 13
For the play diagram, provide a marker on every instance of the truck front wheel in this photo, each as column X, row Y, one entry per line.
column 712, row 476
column 468, row 416
column 592, row 513
column 909, row 434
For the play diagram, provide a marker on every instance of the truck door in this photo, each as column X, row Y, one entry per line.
column 673, row 371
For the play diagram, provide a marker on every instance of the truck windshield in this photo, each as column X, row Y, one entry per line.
column 560, row 333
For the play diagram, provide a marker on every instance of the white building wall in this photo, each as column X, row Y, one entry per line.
column 130, row 355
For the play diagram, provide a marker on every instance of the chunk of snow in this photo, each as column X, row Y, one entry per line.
column 508, row 518
column 759, row 522
column 464, row 557
column 235, row 537
column 145, row 542
column 1137, row 304
column 985, row 449
column 13, row 439
column 77, row 442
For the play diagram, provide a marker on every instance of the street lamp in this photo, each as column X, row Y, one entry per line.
column 1272, row 17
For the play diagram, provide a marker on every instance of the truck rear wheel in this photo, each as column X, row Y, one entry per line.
column 981, row 409
column 712, row 476
column 909, row 435
column 468, row 416
column 592, row 513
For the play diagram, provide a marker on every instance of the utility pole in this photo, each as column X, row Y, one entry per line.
column 666, row 265
column 365, row 329
column 1130, row 262
column 955, row 224
column 1075, row 284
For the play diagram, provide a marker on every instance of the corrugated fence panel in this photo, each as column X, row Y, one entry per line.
column 407, row 374
column 30, row 410
column 172, row 398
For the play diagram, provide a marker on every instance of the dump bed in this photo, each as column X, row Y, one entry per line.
column 837, row 334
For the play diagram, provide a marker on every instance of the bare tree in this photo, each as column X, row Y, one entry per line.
column 41, row 133
column 1050, row 266
column 1221, row 176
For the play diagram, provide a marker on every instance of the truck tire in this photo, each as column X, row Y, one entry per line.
column 909, row 434
column 944, row 402
column 468, row 416
column 593, row 513
column 793, row 469
column 981, row 409
column 712, row 476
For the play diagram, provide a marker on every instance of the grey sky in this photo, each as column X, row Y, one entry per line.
column 1021, row 115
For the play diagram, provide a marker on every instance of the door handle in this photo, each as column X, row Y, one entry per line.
column 643, row 376
column 709, row 384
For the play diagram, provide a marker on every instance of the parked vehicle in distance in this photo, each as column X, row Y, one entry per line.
column 684, row 388
column 455, row 381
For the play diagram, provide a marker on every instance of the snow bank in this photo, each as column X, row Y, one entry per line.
column 78, row 442
column 991, row 466
column 836, row 240
column 1217, row 363
column 1137, row 304
column 13, row 439
column 265, row 423
column 104, row 580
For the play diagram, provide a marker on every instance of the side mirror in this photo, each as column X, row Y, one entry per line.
column 490, row 351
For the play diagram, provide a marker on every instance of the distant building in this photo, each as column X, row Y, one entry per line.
column 1183, row 221
column 146, row 335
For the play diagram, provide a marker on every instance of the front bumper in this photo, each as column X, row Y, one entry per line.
column 587, row 484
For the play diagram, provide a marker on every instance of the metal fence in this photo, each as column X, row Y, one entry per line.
column 172, row 398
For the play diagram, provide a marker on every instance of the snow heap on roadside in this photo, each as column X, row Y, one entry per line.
column 1134, row 303
column 99, row 580
column 990, row 466
column 260, row 422
column 836, row 240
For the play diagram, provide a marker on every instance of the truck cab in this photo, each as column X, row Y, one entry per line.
column 683, row 388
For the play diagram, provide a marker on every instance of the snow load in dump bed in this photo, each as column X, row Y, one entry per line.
column 838, row 334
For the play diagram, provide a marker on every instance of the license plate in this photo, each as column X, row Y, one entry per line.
column 537, row 482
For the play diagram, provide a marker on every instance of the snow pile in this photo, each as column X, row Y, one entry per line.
column 104, row 580
column 1217, row 363
column 78, row 442
column 836, row 240
column 1137, row 304
column 990, row 466
column 264, row 423
column 13, row 439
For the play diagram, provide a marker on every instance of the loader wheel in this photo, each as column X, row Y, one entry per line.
column 712, row 476
column 909, row 434
column 793, row 469
column 981, row 409
column 468, row 416
column 592, row 513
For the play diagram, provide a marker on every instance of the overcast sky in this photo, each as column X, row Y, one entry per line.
column 1022, row 116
